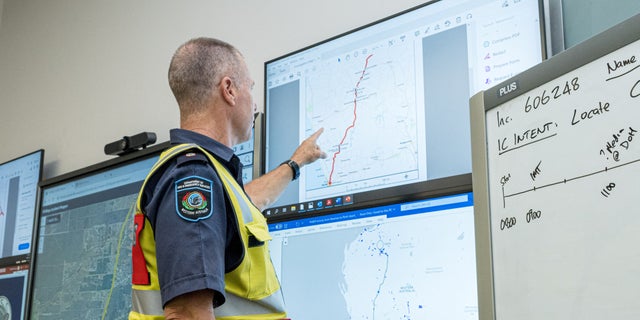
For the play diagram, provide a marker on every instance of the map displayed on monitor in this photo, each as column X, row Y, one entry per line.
column 82, row 265
column 409, row 260
column 392, row 96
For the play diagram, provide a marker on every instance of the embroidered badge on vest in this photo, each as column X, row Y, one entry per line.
column 193, row 198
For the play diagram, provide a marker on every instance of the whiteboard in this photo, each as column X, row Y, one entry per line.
column 556, row 177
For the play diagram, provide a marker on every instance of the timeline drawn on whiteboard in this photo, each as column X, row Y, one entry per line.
column 619, row 142
column 563, row 181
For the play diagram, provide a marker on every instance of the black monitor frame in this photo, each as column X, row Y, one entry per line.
column 430, row 187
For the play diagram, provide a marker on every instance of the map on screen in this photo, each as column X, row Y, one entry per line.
column 392, row 96
column 409, row 260
column 82, row 265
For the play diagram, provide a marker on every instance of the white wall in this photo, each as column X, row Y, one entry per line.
column 77, row 74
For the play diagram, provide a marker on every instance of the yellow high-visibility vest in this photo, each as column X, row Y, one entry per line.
column 252, row 289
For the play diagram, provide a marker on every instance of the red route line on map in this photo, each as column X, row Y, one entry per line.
column 353, row 123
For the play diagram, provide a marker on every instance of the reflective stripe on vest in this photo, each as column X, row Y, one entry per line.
column 147, row 302
column 252, row 289
column 239, row 306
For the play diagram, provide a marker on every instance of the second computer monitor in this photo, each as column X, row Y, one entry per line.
column 393, row 95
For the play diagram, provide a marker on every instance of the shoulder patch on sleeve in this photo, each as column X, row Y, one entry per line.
column 193, row 198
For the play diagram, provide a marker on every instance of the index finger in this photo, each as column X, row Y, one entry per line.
column 316, row 134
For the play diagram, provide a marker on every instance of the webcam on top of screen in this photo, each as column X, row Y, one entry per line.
column 129, row 144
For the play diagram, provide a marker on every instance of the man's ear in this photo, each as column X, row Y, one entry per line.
column 228, row 90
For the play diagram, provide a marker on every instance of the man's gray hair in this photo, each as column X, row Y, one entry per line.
column 197, row 67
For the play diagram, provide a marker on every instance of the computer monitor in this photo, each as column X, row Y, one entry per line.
column 81, row 267
column 19, row 180
column 393, row 96
column 407, row 260
column 13, row 290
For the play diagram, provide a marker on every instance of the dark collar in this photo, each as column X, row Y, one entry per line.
column 178, row 136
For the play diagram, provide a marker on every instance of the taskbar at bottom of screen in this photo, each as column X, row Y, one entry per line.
column 309, row 207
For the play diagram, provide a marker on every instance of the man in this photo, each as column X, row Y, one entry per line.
column 201, row 241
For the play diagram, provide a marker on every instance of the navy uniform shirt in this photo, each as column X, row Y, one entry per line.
column 196, row 232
